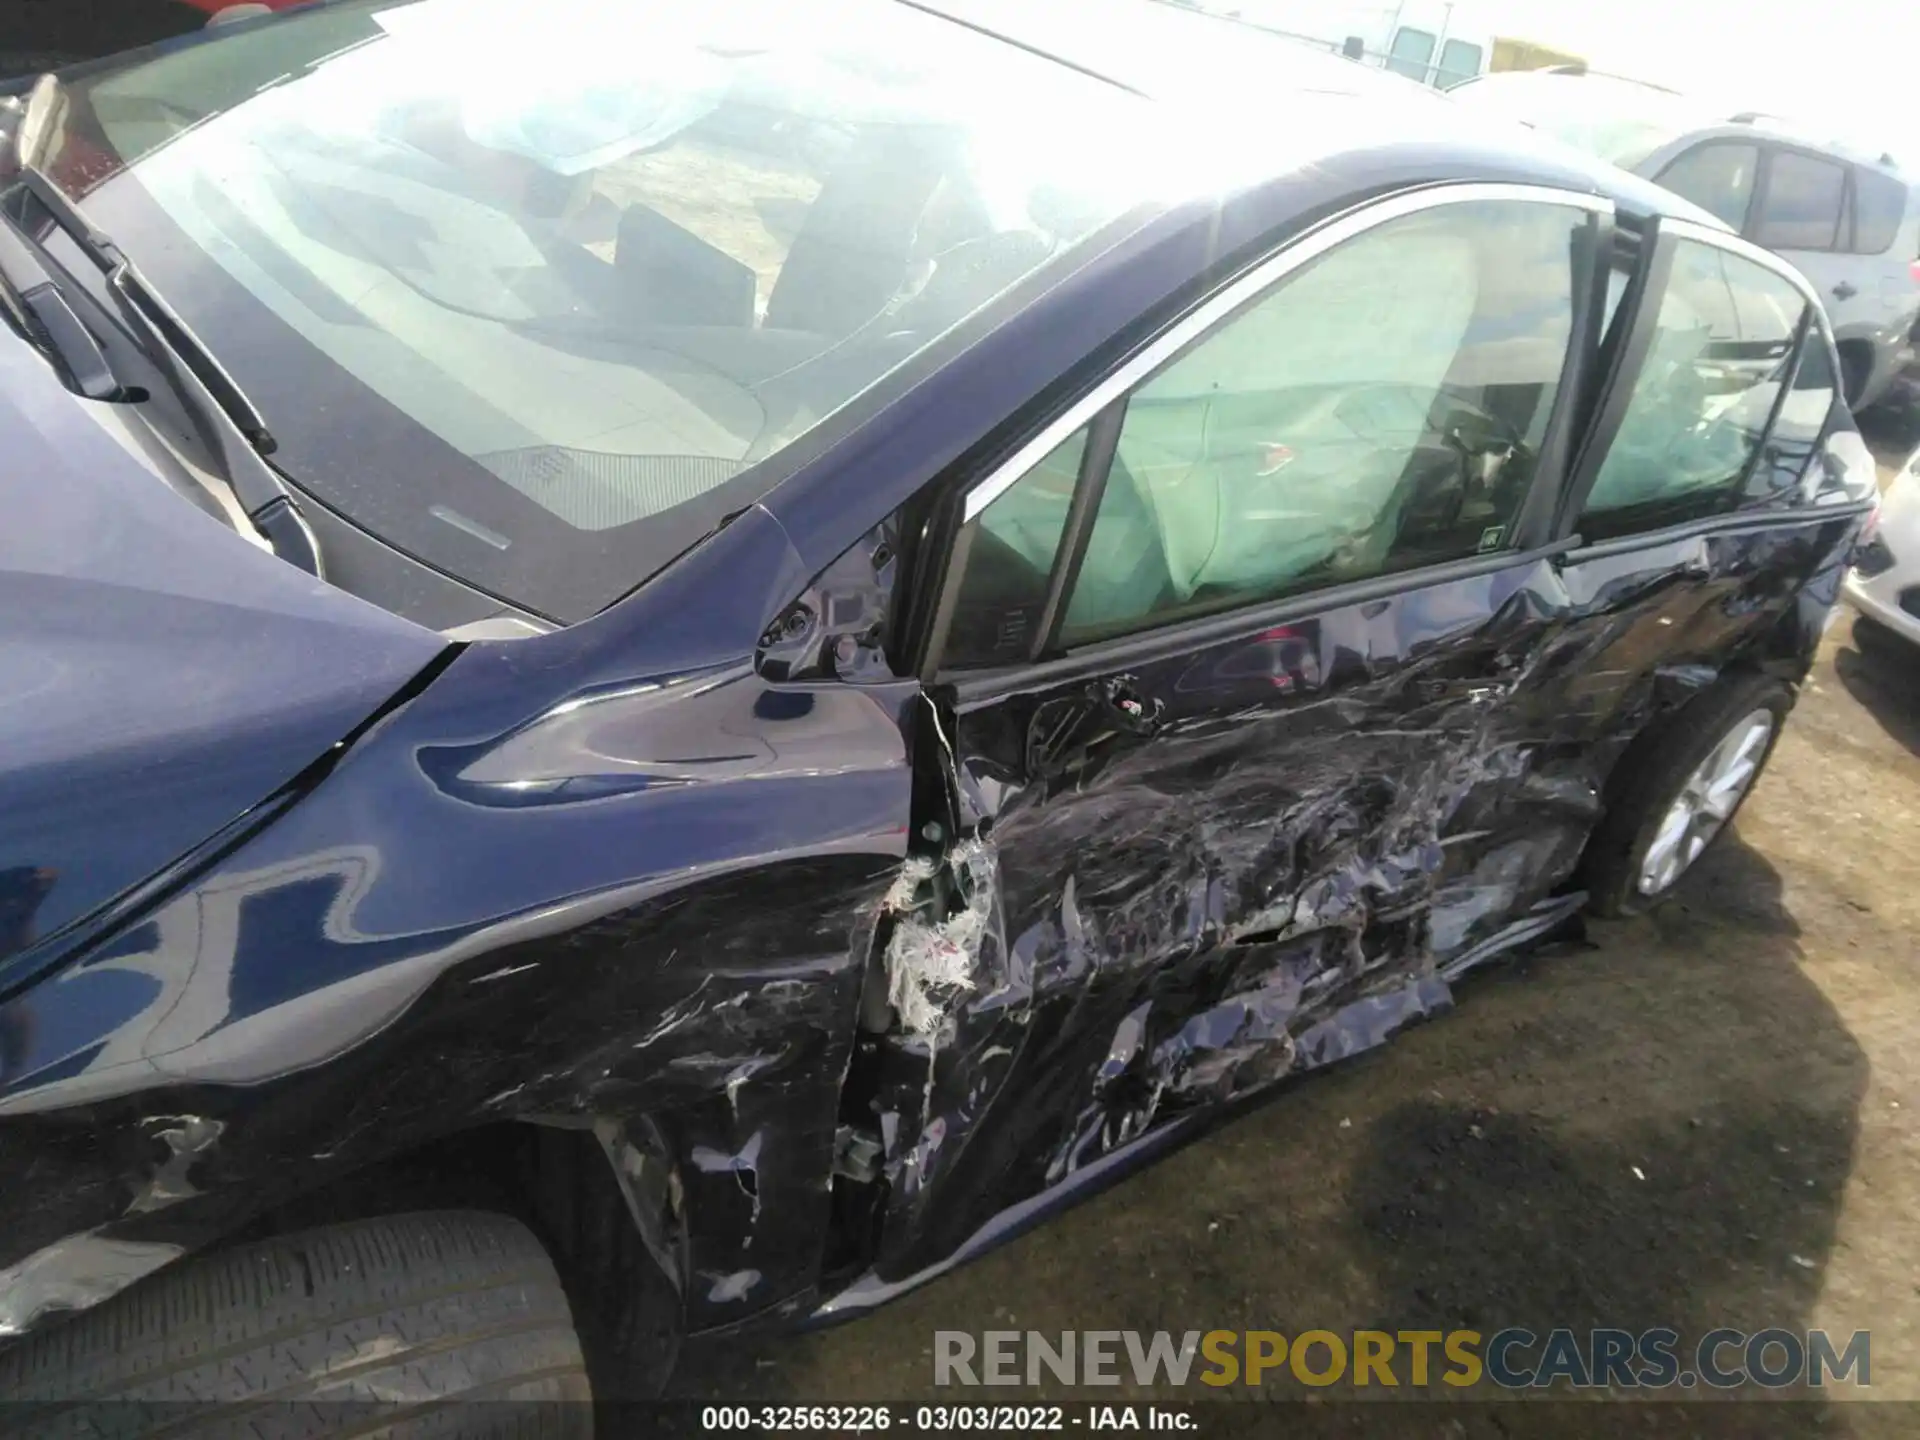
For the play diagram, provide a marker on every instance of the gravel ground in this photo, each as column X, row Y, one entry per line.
column 1709, row 1117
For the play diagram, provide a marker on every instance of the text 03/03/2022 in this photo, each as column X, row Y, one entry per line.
column 992, row 1419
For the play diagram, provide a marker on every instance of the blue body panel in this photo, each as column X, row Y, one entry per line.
column 159, row 675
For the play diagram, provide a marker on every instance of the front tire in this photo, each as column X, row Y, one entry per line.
column 323, row 1333
column 1678, row 787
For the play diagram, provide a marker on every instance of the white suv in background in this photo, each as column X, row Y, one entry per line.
column 1848, row 221
column 1884, row 584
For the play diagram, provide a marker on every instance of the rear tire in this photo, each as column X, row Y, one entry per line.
column 1652, row 777
column 322, row 1333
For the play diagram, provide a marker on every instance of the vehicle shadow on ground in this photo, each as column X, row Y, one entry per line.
column 1677, row 1125
column 1883, row 674
column 1652, row 1127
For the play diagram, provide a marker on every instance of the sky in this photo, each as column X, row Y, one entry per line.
column 1852, row 65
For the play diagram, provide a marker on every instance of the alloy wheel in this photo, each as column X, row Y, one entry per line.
column 1712, row 792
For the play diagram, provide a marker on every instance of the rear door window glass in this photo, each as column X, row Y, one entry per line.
column 1804, row 200
column 1722, row 347
column 1879, row 205
column 1718, row 177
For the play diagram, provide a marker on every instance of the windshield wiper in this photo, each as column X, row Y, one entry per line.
column 230, row 427
column 223, row 424
column 50, row 319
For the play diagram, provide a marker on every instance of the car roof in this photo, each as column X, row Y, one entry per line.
column 1320, row 105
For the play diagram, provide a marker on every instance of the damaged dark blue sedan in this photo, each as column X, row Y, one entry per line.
column 665, row 667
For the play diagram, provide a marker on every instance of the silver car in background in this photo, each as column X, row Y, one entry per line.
column 1884, row 584
column 1847, row 219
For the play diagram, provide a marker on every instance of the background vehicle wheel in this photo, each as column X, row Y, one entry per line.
column 1679, row 785
column 299, row 1332
column 1856, row 363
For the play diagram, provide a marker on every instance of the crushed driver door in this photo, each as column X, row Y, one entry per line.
column 1217, row 737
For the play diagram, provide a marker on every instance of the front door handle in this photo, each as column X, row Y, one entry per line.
column 1845, row 290
column 1065, row 730
column 1129, row 708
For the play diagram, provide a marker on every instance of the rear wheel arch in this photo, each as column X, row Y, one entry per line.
column 1780, row 653
column 1655, row 765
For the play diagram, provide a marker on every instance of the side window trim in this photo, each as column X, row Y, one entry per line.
column 1799, row 358
column 1733, row 522
column 1648, row 283
column 1189, row 331
column 1096, row 463
column 1652, row 268
column 1241, row 292
column 1144, row 646
column 1536, row 521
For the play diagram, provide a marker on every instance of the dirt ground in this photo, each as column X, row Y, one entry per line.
column 1710, row 1117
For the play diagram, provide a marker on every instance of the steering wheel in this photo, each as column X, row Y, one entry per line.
column 1484, row 446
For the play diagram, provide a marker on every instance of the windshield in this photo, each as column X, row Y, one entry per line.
column 531, row 290
column 1167, row 50
column 1619, row 121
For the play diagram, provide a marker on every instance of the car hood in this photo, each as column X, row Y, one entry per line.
column 159, row 675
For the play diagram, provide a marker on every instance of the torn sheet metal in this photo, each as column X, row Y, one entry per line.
column 72, row 1274
column 1333, row 820
column 933, row 958
column 187, row 1138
